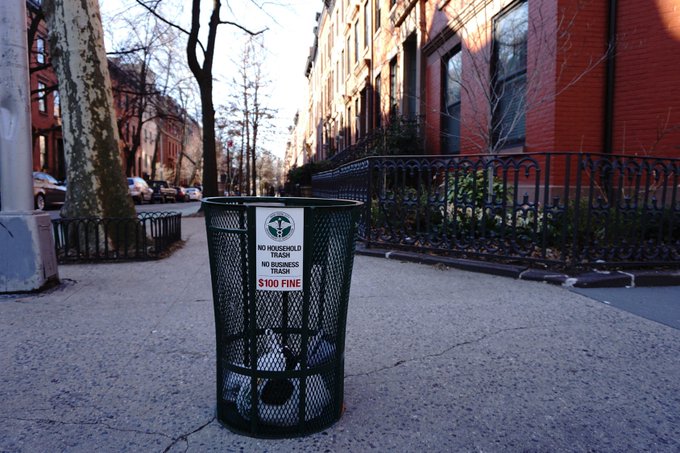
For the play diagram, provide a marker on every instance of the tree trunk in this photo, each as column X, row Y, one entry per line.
column 96, row 182
column 209, row 152
column 203, row 75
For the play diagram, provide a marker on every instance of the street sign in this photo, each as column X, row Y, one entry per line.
column 279, row 235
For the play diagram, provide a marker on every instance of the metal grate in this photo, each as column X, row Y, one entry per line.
column 280, row 355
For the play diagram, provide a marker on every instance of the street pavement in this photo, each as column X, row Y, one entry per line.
column 660, row 304
column 121, row 357
column 185, row 209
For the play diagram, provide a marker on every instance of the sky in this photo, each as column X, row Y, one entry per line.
column 287, row 40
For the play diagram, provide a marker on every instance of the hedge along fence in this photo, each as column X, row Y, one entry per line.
column 565, row 210
column 146, row 237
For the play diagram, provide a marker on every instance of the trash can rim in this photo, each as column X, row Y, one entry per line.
column 289, row 202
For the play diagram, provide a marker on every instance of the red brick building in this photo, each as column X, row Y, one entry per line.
column 48, row 145
column 159, row 141
column 496, row 76
column 591, row 76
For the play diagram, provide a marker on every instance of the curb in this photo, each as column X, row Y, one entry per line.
column 590, row 279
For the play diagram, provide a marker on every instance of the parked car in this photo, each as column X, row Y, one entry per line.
column 47, row 191
column 162, row 192
column 139, row 190
column 193, row 194
column 181, row 194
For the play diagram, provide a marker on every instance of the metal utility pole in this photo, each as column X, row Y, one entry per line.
column 28, row 260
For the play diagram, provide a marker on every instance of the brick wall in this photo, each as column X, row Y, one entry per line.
column 647, row 102
column 566, row 72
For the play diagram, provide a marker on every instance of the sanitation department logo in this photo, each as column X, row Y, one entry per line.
column 279, row 226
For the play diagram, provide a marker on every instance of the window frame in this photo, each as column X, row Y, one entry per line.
column 367, row 24
column 394, row 103
column 356, row 41
column 445, row 113
column 42, row 97
column 377, row 101
column 42, row 151
column 499, row 83
column 376, row 17
column 40, row 50
column 56, row 104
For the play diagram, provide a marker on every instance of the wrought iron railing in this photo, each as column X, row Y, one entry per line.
column 566, row 210
column 401, row 136
column 146, row 237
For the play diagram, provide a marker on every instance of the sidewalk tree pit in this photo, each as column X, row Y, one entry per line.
column 281, row 271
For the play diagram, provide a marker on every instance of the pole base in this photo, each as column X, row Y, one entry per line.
column 26, row 244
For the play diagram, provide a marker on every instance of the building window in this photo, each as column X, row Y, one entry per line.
column 349, row 125
column 42, row 94
column 42, row 148
column 367, row 24
column 410, row 95
column 356, row 41
column 376, row 19
column 40, row 50
column 450, row 124
column 509, row 76
column 357, row 120
column 378, row 110
column 393, row 87
column 57, row 104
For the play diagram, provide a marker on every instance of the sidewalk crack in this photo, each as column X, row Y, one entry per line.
column 437, row 354
column 185, row 437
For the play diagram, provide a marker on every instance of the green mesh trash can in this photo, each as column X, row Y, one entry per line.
column 281, row 271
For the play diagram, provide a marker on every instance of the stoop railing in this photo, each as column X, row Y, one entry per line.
column 146, row 237
column 565, row 210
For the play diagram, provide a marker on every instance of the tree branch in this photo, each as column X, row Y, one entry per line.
column 165, row 21
column 242, row 28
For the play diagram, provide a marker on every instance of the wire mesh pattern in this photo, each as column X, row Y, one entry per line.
column 145, row 237
column 565, row 210
column 280, row 359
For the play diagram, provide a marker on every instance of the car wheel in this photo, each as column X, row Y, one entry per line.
column 40, row 202
column 186, row 198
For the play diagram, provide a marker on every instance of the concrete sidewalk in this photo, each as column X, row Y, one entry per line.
column 121, row 357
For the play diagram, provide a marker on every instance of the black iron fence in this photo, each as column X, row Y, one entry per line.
column 146, row 237
column 401, row 136
column 565, row 210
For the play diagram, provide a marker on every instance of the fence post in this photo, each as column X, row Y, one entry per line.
column 369, row 201
column 577, row 208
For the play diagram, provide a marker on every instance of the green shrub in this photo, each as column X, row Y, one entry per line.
column 303, row 175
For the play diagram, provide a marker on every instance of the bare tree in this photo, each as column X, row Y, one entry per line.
column 96, row 183
column 200, row 58
column 148, row 73
column 248, row 103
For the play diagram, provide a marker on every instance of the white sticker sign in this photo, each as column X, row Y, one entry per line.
column 279, row 235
